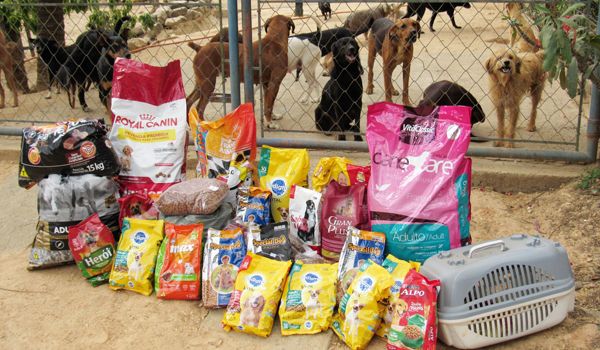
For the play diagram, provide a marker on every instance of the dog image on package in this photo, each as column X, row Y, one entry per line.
column 304, row 216
column 136, row 255
column 258, row 287
column 279, row 169
column 308, row 299
column 359, row 313
column 399, row 269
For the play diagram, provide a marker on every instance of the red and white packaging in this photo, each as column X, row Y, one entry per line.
column 149, row 131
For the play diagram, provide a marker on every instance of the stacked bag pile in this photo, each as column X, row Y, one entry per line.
column 249, row 235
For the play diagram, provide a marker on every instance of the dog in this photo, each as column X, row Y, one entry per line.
column 341, row 101
column 7, row 66
column 312, row 303
column 512, row 76
column 324, row 40
column 394, row 310
column 325, row 8
column 446, row 93
column 135, row 268
column 352, row 321
column 518, row 41
column 394, row 42
column 419, row 8
column 284, row 212
column 223, row 36
column 310, row 217
column 117, row 48
column 225, row 279
column 125, row 160
column 360, row 22
column 53, row 55
column 251, row 310
column 80, row 70
column 208, row 58
column 189, row 269
column 304, row 56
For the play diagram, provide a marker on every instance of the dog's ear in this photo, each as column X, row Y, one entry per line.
column 489, row 64
column 291, row 26
column 267, row 25
column 393, row 34
column 517, row 64
column 125, row 34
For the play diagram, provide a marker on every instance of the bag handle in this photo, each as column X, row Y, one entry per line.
column 487, row 245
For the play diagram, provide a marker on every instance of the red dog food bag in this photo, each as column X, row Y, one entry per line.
column 342, row 208
column 414, row 322
column 149, row 131
column 93, row 247
column 178, row 263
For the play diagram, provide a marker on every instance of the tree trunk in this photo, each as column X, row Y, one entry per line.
column 18, row 55
column 51, row 25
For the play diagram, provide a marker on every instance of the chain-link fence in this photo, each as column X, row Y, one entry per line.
column 160, row 32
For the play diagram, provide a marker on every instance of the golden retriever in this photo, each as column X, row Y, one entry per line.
column 511, row 76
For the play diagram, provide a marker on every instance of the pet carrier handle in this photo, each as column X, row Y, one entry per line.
column 487, row 245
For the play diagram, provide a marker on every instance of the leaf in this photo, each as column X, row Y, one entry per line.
column 562, row 78
column 546, row 35
column 572, row 78
column 595, row 42
column 572, row 9
column 542, row 8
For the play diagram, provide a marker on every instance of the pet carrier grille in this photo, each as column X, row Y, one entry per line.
column 508, row 283
column 513, row 322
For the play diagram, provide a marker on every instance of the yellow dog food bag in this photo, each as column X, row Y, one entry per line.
column 359, row 314
column 136, row 255
column 398, row 269
column 279, row 169
column 308, row 299
column 258, row 287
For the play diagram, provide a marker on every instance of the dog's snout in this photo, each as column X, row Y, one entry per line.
column 506, row 62
column 351, row 50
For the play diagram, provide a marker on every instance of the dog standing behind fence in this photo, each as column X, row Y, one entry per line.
column 7, row 66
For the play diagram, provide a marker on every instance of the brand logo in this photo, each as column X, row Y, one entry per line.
column 256, row 280
column 184, row 248
column 365, row 284
column 412, row 292
column 100, row 258
column 87, row 149
column 145, row 121
column 311, row 278
column 139, row 237
column 278, row 187
column 396, row 287
column 417, row 131
column 417, row 128
column 34, row 156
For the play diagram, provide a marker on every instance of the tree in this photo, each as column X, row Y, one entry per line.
column 51, row 25
column 13, row 16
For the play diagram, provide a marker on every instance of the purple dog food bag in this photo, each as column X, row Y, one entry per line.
column 419, row 192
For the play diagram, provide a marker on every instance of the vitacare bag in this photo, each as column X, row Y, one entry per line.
column 419, row 189
column 149, row 131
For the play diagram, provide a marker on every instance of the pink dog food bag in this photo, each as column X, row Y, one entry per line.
column 419, row 190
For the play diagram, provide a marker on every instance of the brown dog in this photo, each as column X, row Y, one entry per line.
column 394, row 42
column 207, row 65
column 511, row 77
column 517, row 41
column 7, row 65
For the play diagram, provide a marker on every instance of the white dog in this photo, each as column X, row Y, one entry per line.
column 305, row 55
column 352, row 321
column 189, row 268
column 136, row 268
column 312, row 304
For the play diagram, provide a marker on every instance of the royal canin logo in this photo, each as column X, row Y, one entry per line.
column 146, row 117
column 145, row 121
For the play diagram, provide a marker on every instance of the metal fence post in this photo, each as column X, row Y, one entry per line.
column 593, row 127
column 232, row 16
column 299, row 10
column 247, row 50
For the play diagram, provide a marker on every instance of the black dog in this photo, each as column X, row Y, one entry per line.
column 116, row 48
column 448, row 7
column 54, row 56
column 446, row 93
column 341, row 101
column 309, row 215
column 80, row 69
column 325, row 8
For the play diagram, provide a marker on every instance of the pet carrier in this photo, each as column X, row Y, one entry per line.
column 501, row 290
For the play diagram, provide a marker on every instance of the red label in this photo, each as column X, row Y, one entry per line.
column 87, row 149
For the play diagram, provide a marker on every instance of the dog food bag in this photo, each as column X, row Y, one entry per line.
column 308, row 299
column 136, row 255
column 65, row 201
column 258, row 287
column 217, row 220
column 226, row 147
column 338, row 169
column 414, row 323
column 254, row 205
column 66, row 148
column 178, row 263
column 272, row 241
column 279, row 169
column 342, row 208
column 137, row 206
column 149, row 129
column 224, row 251
column 305, row 206
column 359, row 313
column 360, row 246
column 399, row 269
column 93, row 247
column 196, row 196
column 418, row 178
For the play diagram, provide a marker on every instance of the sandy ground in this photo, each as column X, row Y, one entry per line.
column 449, row 53
column 56, row 307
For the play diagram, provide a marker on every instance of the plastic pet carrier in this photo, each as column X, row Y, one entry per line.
column 501, row 290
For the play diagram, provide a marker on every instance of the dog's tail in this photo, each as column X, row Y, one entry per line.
column 120, row 23
column 194, row 46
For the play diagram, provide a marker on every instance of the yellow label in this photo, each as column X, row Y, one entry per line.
column 147, row 136
column 23, row 173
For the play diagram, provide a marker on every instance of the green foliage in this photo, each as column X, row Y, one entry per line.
column 590, row 181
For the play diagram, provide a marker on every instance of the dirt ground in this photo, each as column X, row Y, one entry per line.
column 449, row 53
column 56, row 307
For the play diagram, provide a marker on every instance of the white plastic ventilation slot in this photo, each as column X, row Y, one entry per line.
column 513, row 322
column 508, row 283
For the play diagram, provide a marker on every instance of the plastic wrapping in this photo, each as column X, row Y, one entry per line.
column 196, row 196
column 217, row 220
column 338, row 169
